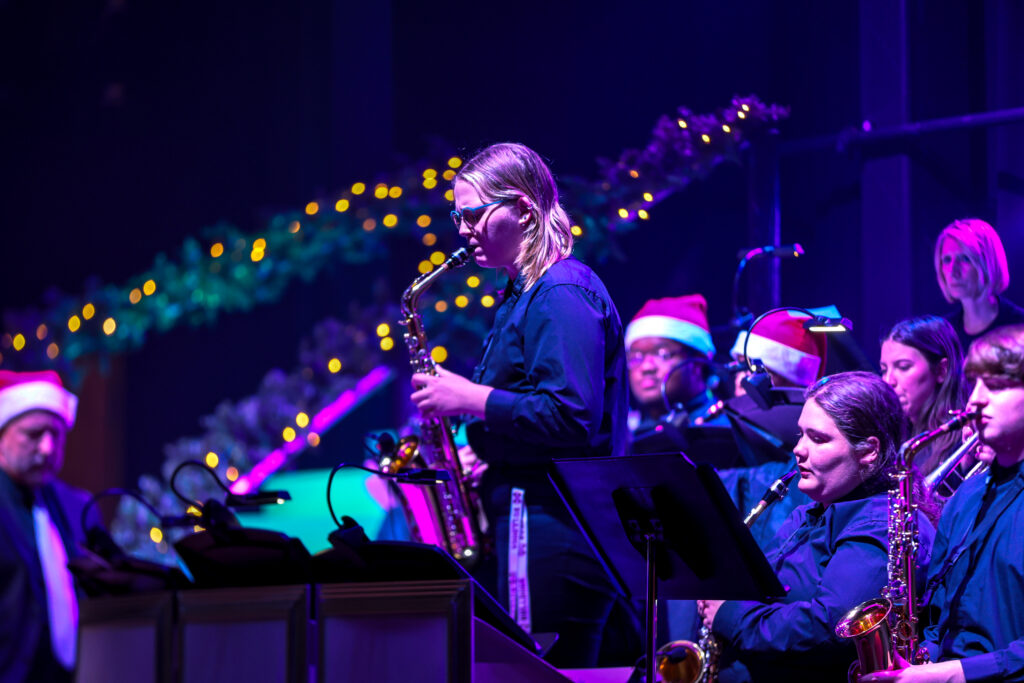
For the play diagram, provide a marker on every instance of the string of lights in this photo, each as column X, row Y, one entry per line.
column 227, row 270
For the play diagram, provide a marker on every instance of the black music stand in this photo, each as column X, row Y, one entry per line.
column 660, row 524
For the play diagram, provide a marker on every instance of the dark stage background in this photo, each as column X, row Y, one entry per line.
column 129, row 125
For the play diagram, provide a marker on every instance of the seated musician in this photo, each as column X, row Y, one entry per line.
column 831, row 554
column 922, row 361
column 765, row 435
column 974, row 627
column 669, row 351
column 766, row 431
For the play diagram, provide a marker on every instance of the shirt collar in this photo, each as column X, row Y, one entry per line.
column 999, row 474
column 862, row 491
column 515, row 287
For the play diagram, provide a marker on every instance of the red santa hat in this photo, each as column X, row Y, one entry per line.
column 682, row 318
column 21, row 392
column 785, row 347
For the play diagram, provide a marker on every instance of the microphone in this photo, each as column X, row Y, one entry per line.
column 794, row 250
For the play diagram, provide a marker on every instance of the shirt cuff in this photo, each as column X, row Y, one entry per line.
column 982, row 668
column 728, row 616
column 500, row 409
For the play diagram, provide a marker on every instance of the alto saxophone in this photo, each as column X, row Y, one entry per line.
column 449, row 514
column 682, row 661
column 885, row 626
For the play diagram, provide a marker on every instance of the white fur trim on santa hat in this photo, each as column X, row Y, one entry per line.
column 793, row 364
column 39, row 395
column 736, row 352
column 668, row 327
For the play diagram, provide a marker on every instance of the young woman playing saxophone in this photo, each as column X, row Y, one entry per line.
column 550, row 384
column 831, row 554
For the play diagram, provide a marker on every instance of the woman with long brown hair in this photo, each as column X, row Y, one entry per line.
column 922, row 361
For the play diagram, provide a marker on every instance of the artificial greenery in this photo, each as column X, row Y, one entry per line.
column 228, row 270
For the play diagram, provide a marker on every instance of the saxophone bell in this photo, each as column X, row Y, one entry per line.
column 680, row 661
column 887, row 626
column 867, row 625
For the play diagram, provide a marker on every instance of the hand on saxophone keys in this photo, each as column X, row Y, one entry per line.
column 472, row 466
column 708, row 609
column 447, row 393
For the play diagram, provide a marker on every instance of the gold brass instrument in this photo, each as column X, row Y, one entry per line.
column 947, row 474
column 448, row 514
column 887, row 625
column 682, row 661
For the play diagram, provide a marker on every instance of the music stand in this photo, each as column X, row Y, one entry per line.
column 660, row 524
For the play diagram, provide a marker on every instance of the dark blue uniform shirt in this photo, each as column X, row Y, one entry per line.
column 1009, row 314
column 977, row 614
column 556, row 360
column 829, row 560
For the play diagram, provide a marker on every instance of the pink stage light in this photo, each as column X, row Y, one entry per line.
column 321, row 422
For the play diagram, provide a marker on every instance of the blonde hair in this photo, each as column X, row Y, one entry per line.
column 508, row 171
column 983, row 248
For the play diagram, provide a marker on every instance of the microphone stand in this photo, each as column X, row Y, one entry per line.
column 740, row 314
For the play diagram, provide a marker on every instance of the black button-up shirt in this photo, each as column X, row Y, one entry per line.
column 556, row 359
column 829, row 559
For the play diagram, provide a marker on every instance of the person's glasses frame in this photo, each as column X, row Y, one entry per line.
column 635, row 359
column 469, row 214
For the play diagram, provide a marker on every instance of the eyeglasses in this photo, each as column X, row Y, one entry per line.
column 661, row 355
column 471, row 215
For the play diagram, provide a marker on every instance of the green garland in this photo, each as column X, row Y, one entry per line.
column 228, row 270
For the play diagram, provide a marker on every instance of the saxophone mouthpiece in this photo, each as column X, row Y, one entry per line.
column 458, row 258
column 959, row 418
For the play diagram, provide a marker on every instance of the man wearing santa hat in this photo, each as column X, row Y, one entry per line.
column 40, row 520
column 669, row 350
